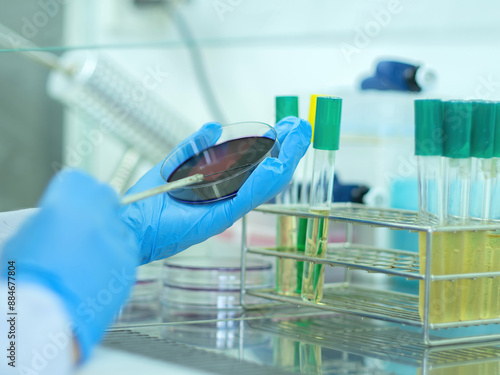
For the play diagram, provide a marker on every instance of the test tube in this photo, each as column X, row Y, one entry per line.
column 476, row 254
column 482, row 141
column 495, row 172
column 305, row 194
column 429, row 151
column 325, row 143
column 493, row 238
column 457, row 123
column 286, row 269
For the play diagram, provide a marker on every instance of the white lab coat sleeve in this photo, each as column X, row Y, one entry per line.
column 38, row 339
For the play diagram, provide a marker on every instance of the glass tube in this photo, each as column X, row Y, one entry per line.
column 317, row 228
column 457, row 180
column 458, row 177
column 431, row 189
column 492, row 308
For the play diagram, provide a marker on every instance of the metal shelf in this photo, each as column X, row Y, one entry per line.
column 384, row 217
column 379, row 304
column 368, row 258
column 371, row 303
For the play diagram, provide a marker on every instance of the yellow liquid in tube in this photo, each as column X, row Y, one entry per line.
column 286, row 269
column 462, row 299
column 437, row 292
column 474, row 292
column 492, row 310
column 316, row 243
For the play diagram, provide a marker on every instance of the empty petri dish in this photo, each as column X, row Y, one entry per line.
column 226, row 158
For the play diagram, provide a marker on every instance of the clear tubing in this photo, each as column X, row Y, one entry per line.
column 317, row 228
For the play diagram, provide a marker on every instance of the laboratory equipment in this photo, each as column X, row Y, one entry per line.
column 482, row 142
column 375, row 301
column 194, row 223
column 202, row 288
column 306, row 177
column 457, row 124
column 454, row 302
column 457, row 127
column 286, row 231
column 468, row 142
column 325, row 143
column 429, row 151
column 477, row 253
column 92, row 84
column 400, row 76
column 493, row 240
column 226, row 162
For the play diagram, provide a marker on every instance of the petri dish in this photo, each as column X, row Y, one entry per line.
column 209, row 288
column 226, row 158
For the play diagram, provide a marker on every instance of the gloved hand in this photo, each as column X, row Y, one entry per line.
column 77, row 246
column 164, row 226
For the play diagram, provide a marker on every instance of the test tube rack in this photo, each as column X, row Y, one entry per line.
column 379, row 304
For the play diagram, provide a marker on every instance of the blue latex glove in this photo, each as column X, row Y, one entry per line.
column 164, row 226
column 77, row 246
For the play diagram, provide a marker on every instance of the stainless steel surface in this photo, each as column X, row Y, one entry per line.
column 279, row 337
column 172, row 352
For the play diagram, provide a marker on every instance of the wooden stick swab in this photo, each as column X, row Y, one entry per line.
column 162, row 189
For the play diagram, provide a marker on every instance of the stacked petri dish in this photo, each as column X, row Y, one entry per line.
column 207, row 291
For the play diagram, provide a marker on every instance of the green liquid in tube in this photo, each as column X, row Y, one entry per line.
column 301, row 248
column 316, row 243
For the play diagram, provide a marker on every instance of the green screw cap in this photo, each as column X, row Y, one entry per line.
column 286, row 106
column 496, row 145
column 327, row 127
column 483, row 129
column 457, row 124
column 428, row 127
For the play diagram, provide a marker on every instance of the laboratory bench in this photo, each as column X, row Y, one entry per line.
column 287, row 339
